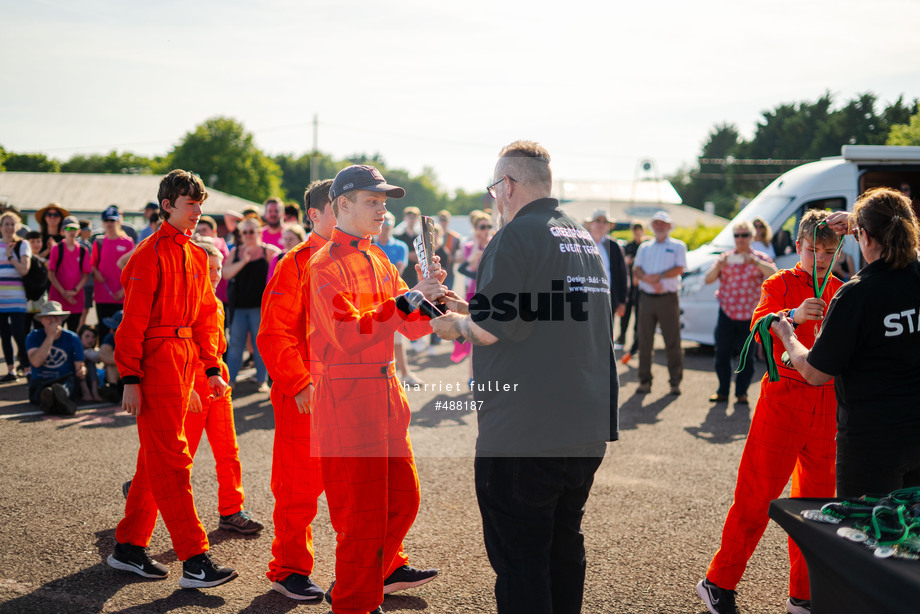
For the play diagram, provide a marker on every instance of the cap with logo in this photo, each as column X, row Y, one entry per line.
column 662, row 216
column 362, row 177
column 111, row 213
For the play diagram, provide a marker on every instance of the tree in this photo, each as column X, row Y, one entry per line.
column 223, row 153
column 906, row 133
column 31, row 163
column 296, row 171
column 113, row 162
column 786, row 136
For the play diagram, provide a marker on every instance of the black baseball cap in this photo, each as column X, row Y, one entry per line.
column 362, row 177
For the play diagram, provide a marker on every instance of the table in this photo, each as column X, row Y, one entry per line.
column 845, row 576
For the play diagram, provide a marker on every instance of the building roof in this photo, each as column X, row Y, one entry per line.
column 90, row 193
column 626, row 201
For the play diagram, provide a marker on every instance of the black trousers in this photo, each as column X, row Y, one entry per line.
column 876, row 469
column 531, row 518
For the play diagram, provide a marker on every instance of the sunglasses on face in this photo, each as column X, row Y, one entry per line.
column 53, row 214
column 484, row 227
column 248, row 232
column 743, row 235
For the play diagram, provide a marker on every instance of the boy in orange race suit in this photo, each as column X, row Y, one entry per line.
column 169, row 309
column 792, row 431
column 360, row 412
column 296, row 480
column 216, row 416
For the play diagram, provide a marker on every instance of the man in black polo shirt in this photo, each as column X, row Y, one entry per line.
column 544, row 373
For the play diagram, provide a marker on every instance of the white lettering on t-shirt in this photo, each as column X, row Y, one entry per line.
column 893, row 326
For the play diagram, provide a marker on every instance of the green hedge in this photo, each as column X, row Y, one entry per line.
column 693, row 237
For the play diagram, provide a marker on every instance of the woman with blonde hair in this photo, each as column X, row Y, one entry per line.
column 15, row 259
column 763, row 237
column 107, row 251
column 247, row 270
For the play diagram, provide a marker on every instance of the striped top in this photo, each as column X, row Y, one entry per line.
column 12, row 292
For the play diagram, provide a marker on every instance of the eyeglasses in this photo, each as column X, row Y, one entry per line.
column 743, row 235
column 855, row 233
column 53, row 213
column 484, row 227
column 491, row 188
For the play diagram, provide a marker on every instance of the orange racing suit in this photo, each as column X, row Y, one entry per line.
column 792, row 434
column 361, row 414
column 296, row 481
column 216, row 417
column 169, row 309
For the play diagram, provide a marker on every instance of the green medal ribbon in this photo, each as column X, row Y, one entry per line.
column 762, row 326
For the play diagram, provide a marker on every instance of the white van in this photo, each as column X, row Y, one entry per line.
column 831, row 183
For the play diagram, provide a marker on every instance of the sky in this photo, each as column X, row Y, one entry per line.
column 443, row 85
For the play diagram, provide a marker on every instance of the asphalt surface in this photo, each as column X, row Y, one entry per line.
column 652, row 524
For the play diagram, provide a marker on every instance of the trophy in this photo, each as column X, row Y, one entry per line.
column 424, row 248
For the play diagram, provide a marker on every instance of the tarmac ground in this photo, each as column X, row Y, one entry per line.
column 652, row 524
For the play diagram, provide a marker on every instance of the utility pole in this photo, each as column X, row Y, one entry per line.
column 314, row 161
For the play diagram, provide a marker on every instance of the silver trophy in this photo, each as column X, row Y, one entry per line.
column 424, row 249
column 424, row 245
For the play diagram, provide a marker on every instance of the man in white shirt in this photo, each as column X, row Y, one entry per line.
column 658, row 267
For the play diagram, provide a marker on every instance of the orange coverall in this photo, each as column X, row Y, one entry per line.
column 792, row 433
column 169, row 309
column 296, row 481
column 216, row 417
column 361, row 415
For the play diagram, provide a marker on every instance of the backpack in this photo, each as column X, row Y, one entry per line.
column 35, row 281
column 61, row 256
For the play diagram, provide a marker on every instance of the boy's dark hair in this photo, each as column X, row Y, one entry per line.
column 33, row 234
column 316, row 196
column 87, row 327
column 180, row 183
column 293, row 210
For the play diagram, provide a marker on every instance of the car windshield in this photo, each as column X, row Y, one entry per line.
column 769, row 208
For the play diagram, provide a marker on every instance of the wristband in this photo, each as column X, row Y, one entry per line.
column 792, row 317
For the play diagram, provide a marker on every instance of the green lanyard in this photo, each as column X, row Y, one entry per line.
column 814, row 268
column 762, row 326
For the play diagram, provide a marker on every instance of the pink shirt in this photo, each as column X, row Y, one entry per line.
column 68, row 274
column 105, row 260
column 273, row 238
column 739, row 287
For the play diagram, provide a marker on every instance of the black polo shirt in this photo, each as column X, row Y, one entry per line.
column 870, row 342
column 548, row 386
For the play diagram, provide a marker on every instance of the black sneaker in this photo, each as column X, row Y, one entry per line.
column 201, row 572
column 125, row 488
column 128, row 557
column 47, row 401
column 378, row 610
column 300, row 587
column 798, row 606
column 62, row 398
column 9, row 377
column 407, row 577
column 717, row 600
column 241, row 522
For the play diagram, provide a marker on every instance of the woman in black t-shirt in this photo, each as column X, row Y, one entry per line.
column 870, row 342
column 247, row 270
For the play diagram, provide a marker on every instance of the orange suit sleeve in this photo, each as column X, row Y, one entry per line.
column 283, row 316
column 342, row 317
column 140, row 279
